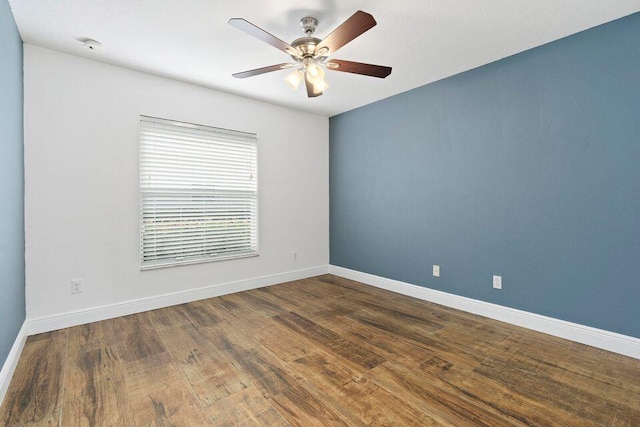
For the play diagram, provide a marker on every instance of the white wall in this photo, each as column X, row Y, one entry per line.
column 81, row 182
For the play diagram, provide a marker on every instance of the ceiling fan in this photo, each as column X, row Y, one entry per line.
column 311, row 53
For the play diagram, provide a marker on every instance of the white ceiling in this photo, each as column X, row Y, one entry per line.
column 423, row 40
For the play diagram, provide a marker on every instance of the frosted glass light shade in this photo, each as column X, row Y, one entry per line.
column 315, row 74
column 294, row 79
column 320, row 86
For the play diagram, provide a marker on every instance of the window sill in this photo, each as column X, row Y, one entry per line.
column 195, row 261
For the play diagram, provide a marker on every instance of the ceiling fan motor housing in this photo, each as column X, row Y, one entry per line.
column 306, row 46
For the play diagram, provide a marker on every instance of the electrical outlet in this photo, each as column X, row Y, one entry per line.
column 436, row 270
column 76, row 286
column 294, row 256
column 497, row 282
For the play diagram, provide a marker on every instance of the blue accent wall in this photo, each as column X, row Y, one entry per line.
column 528, row 168
column 12, row 293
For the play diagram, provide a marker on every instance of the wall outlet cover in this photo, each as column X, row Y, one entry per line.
column 76, row 286
column 497, row 282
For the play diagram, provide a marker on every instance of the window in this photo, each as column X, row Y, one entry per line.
column 198, row 193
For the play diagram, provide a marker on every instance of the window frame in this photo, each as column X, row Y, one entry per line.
column 253, row 239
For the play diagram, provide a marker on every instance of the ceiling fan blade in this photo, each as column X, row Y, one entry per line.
column 257, row 71
column 311, row 92
column 358, row 68
column 357, row 24
column 259, row 33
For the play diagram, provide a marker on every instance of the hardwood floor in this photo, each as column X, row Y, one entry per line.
column 320, row 351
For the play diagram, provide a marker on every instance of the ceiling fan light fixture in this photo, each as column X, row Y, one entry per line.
column 310, row 53
column 294, row 79
column 320, row 86
column 315, row 74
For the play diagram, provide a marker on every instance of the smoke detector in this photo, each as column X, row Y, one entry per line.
column 90, row 44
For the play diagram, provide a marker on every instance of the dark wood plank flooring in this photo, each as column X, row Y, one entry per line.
column 321, row 351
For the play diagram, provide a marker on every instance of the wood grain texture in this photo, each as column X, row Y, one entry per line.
column 94, row 394
column 303, row 405
column 259, row 33
column 37, row 398
column 354, row 26
column 136, row 337
column 380, row 71
column 318, row 351
column 262, row 70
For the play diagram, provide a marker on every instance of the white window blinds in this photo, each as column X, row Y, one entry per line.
column 198, row 193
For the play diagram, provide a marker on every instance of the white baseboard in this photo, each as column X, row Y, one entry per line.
column 618, row 343
column 9, row 366
column 94, row 314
